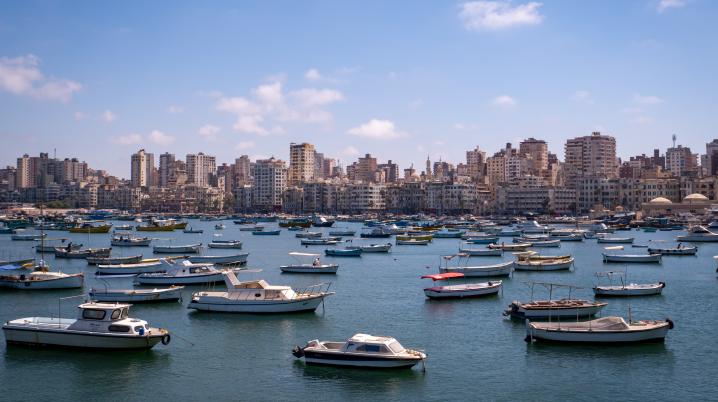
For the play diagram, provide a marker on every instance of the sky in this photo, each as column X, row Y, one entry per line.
column 401, row 80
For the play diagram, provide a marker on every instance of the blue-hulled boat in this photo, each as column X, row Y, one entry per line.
column 345, row 252
column 266, row 232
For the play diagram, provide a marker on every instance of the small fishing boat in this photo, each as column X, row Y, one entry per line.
column 481, row 239
column 266, row 232
column 98, row 326
column 297, row 222
column 346, row 252
column 624, row 288
column 546, row 263
column 342, row 232
column 481, row 252
column 182, row 273
column 145, row 266
column 510, row 247
column 602, row 330
column 251, row 229
column 376, row 232
column 82, row 253
column 374, row 248
column 308, row 235
column 89, row 228
column 172, row 293
column 192, row 230
column 157, row 226
column 426, row 238
column 361, row 350
column 130, row 241
column 699, row 234
column 444, row 234
column 678, row 250
column 28, row 237
column 553, row 309
column 649, row 229
column 501, row 269
column 50, row 248
column 614, row 240
column 632, row 258
column 316, row 267
column 122, row 227
column 459, row 291
column 259, row 297
column 190, row 248
column 509, row 232
column 412, row 242
column 240, row 258
column 236, row 244
column 42, row 279
column 219, row 226
column 546, row 243
column 320, row 242
column 132, row 259
column 566, row 237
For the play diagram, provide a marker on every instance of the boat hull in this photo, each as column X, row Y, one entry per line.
column 540, row 266
column 69, row 282
column 557, row 335
column 179, row 280
column 463, row 291
column 517, row 311
column 618, row 291
column 132, row 296
column 77, row 339
column 220, row 259
column 254, row 307
column 347, row 360
column 309, row 269
column 651, row 258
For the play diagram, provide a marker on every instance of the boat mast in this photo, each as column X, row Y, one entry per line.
column 42, row 239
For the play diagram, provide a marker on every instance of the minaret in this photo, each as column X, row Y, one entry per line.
column 428, row 167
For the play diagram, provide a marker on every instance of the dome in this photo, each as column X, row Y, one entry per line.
column 660, row 200
column 696, row 197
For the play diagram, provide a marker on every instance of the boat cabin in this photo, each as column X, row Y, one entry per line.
column 258, row 290
column 363, row 343
column 107, row 317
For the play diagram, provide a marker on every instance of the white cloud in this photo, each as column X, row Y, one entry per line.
column 174, row 109
column 80, row 116
column 647, row 100
column 495, row 15
column 160, row 138
column 377, row 129
column 268, row 104
column 582, row 96
column 22, row 76
column 312, row 75
column 244, row 145
column 349, row 151
column 504, row 101
column 665, row 5
column 108, row 116
column 208, row 131
column 129, row 139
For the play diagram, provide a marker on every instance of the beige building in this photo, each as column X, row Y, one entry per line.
column 536, row 153
column 301, row 163
column 199, row 169
column 142, row 166
column 591, row 155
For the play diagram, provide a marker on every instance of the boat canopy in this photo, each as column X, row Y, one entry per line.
column 443, row 277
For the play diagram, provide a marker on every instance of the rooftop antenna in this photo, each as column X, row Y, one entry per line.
column 674, row 140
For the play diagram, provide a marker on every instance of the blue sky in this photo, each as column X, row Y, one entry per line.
column 399, row 80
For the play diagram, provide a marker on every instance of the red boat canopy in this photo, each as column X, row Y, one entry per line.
column 443, row 277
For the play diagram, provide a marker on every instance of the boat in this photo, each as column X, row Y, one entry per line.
column 259, row 297
column 316, row 267
column 179, row 225
column 678, row 250
column 508, row 232
column 625, row 289
column 531, row 227
column 299, row 222
column 566, row 237
column 251, row 229
column 308, row 235
column 41, row 278
column 50, row 248
column 509, row 247
column 548, row 263
column 412, row 242
column 98, row 326
column 266, row 232
column 327, row 241
column 361, row 350
column 481, row 252
column 146, row 266
column 342, row 232
column 191, row 230
column 426, row 238
column 182, row 273
column 240, row 258
column 459, row 291
column 551, row 308
column 636, row 258
column 172, row 293
column 614, row 240
column 132, row 259
column 190, row 248
column 501, row 269
column 322, row 222
column 219, row 226
column 27, row 237
column 155, row 227
column 546, row 243
column 611, row 329
column 346, row 252
column 374, row 248
column 130, row 241
column 649, row 229
column 123, row 227
column 699, row 234
column 376, row 232
column 236, row 244
column 64, row 252
column 89, row 228
column 448, row 234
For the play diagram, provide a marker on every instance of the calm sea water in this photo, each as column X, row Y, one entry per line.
column 474, row 352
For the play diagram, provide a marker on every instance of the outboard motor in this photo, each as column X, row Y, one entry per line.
column 298, row 352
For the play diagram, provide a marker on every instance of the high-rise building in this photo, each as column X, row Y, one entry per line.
column 301, row 163
column 25, row 174
column 270, row 181
column 476, row 162
column 242, row 171
column 592, row 155
column 711, row 166
column 141, row 168
column 536, row 153
column 680, row 160
column 200, row 168
column 365, row 169
column 167, row 161
column 391, row 171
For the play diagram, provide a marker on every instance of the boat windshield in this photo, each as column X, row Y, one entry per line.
column 125, row 313
column 396, row 347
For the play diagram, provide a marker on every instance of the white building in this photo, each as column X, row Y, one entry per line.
column 199, row 169
column 141, row 168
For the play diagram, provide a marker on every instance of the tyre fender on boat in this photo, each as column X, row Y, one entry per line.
column 298, row 352
column 166, row 338
column 670, row 323
column 663, row 284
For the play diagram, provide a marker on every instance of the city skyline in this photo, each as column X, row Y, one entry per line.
column 468, row 74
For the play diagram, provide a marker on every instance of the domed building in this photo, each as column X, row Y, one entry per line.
column 696, row 198
column 694, row 203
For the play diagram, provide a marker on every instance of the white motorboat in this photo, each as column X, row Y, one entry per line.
column 236, row 244
column 130, row 241
column 602, row 330
column 509, row 232
column 328, row 241
column 461, row 290
column 361, row 350
column 98, row 326
column 545, row 263
column 190, row 248
column 634, row 258
column 567, row 237
column 240, row 258
column 259, row 297
column 172, row 293
column 375, row 248
column 678, row 250
column 502, row 269
column 131, row 269
column 699, row 234
column 532, row 227
column 481, row 252
column 183, row 273
column 316, row 267
column 546, row 243
column 413, row 242
column 614, row 240
column 510, row 247
column 42, row 279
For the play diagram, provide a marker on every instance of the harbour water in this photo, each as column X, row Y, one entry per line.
column 474, row 352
